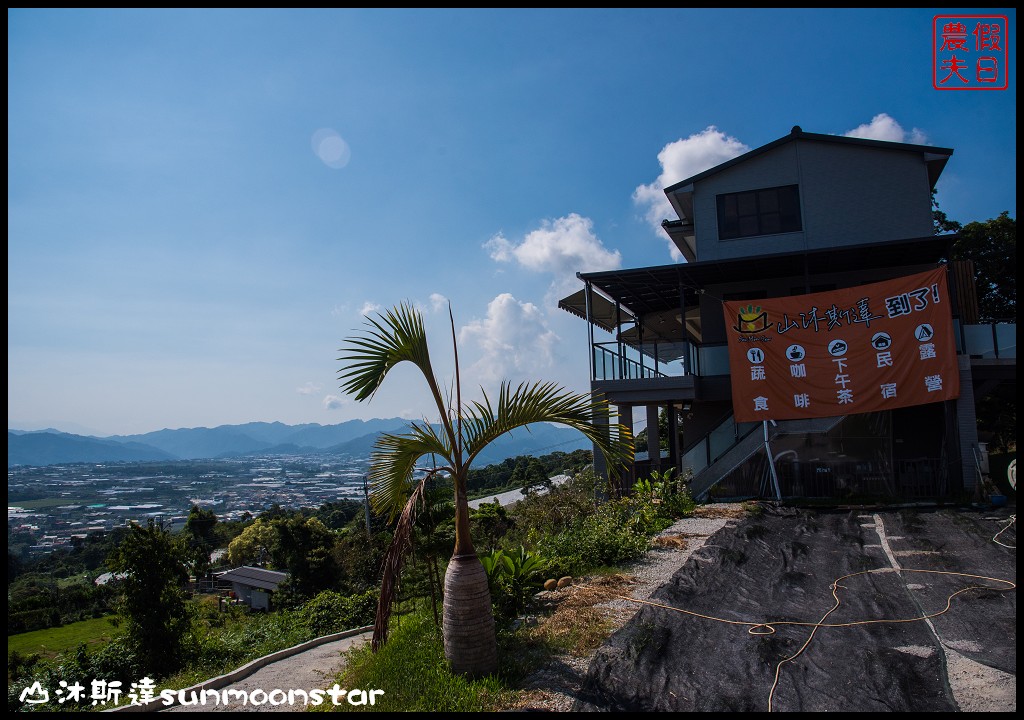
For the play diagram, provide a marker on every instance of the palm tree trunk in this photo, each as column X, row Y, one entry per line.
column 470, row 643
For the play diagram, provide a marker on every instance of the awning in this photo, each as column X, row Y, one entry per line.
column 665, row 326
column 602, row 310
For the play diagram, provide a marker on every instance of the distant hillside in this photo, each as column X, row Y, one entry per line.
column 52, row 448
column 355, row 437
column 248, row 438
column 536, row 439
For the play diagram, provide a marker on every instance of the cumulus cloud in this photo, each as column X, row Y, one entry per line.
column 514, row 340
column 884, row 127
column 308, row 389
column 333, row 402
column 368, row 308
column 679, row 160
column 562, row 247
column 438, row 302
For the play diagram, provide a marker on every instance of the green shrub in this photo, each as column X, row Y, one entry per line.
column 331, row 612
column 542, row 515
column 514, row 577
column 668, row 493
column 598, row 540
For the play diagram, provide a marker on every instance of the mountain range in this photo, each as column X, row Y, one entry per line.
column 354, row 437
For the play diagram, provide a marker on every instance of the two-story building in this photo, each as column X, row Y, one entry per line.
column 805, row 214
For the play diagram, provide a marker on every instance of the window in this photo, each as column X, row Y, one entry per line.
column 759, row 212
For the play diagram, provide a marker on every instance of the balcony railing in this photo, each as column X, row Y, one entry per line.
column 713, row 446
column 619, row 361
column 993, row 341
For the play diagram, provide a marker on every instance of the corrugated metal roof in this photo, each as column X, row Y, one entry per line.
column 255, row 577
column 658, row 289
column 602, row 312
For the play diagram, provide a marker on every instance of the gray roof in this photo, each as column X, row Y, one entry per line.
column 936, row 157
column 656, row 289
column 255, row 577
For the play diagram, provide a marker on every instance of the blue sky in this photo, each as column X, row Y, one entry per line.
column 202, row 204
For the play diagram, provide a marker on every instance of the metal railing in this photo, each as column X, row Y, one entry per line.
column 622, row 361
column 991, row 341
column 618, row 361
column 715, row 444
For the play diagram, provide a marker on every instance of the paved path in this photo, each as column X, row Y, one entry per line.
column 513, row 496
column 313, row 668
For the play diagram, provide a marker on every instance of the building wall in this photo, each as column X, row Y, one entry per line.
column 848, row 195
column 242, row 592
column 260, row 599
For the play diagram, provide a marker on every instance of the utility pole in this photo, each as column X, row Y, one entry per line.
column 366, row 505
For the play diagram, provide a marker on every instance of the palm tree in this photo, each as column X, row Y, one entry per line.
column 397, row 336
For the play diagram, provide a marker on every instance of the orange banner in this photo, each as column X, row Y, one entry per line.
column 856, row 350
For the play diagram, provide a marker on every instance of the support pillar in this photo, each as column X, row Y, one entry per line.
column 653, row 438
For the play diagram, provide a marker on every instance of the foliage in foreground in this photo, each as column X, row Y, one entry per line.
column 216, row 643
column 513, row 577
column 412, row 671
column 576, row 534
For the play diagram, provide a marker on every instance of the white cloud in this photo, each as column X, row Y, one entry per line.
column 514, row 340
column 884, row 127
column 561, row 247
column 438, row 302
column 679, row 160
column 369, row 308
column 308, row 389
column 333, row 402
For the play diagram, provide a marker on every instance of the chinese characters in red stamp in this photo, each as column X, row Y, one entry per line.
column 969, row 52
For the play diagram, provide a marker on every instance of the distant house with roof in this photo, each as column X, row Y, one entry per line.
column 805, row 215
column 253, row 585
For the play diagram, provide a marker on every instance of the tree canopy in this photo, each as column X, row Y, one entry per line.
column 992, row 247
column 153, row 564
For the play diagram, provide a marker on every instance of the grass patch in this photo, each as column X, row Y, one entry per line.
column 752, row 508
column 50, row 642
column 50, row 502
column 412, row 671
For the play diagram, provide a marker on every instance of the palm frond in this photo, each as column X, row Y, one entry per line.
column 545, row 402
column 392, row 337
column 394, row 558
column 393, row 461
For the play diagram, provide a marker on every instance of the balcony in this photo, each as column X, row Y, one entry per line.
column 992, row 341
column 640, row 361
